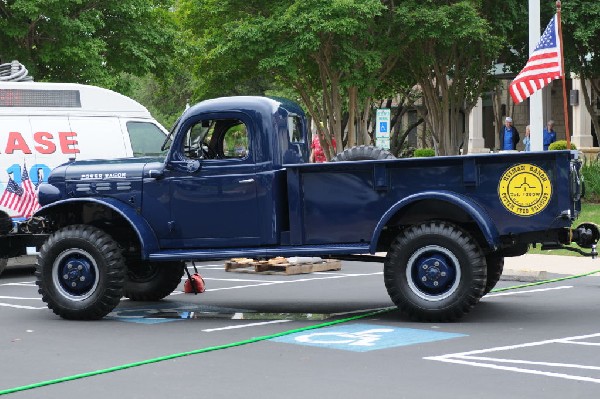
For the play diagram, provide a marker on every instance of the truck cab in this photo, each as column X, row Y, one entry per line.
column 234, row 151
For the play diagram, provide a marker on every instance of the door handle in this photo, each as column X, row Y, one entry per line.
column 246, row 181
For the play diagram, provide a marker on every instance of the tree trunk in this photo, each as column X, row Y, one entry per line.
column 352, row 104
column 595, row 85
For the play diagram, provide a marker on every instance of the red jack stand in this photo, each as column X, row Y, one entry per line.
column 194, row 283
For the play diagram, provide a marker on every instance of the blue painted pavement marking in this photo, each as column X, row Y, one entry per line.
column 364, row 337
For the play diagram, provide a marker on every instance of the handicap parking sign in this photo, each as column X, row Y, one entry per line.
column 383, row 127
column 364, row 337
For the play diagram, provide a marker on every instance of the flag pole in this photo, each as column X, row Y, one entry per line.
column 563, row 77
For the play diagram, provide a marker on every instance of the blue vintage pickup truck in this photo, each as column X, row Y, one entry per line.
column 232, row 180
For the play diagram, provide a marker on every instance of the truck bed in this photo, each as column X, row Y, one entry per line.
column 347, row 202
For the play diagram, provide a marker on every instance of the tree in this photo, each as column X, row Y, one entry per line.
column 450, row 55
column 508, row 19
column 581, row 33
column 87, row 41
column 334, row 54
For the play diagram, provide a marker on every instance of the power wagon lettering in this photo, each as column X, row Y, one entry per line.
column 103, row 176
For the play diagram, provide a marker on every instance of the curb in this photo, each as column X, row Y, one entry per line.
column 534, row 276
column 526, row 276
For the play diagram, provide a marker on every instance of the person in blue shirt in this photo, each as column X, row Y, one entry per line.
column 549, row 135
column 509, row 136
column 527, row 138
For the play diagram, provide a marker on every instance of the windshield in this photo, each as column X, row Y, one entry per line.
column 169, row 140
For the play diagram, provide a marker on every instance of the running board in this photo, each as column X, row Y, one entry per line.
column 361, row 258
column 260, row 252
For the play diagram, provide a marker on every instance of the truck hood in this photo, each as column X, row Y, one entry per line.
column 114, row 170
column 117, row 178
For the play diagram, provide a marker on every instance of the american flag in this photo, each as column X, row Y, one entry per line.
column 21, row 199
column 544, row 65
column 29, row 202
column 12, row 195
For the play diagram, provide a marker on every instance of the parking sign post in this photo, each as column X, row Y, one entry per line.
column 383, row 125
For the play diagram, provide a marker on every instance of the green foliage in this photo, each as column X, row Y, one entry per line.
column 424, row 152
column 449, row 47
column 581, row 29
column 561, row 145
column 87, row 41
column 591, row 178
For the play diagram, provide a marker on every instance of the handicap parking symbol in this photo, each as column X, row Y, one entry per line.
column 383, row 127
column 364, row 337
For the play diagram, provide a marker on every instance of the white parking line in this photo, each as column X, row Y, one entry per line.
column 8, row 305
column 245, row 325
column 562, row 287
column 228, row 279
column 23, row 284
column 469, row 359
column 20, row 297
column 515, row 361
column 302, row 280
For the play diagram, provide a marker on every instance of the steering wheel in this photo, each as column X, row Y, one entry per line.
column 208, row 152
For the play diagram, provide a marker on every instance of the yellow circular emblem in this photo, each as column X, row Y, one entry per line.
column 525, row 189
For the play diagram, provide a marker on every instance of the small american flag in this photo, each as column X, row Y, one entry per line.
column 544, row 65
column 29, row 202
column 12, row 195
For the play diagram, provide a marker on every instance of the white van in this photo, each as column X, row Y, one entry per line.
column 42, row 125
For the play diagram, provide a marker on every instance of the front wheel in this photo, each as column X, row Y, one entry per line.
column 3, row 263
column 80, row 273
column 435, row 272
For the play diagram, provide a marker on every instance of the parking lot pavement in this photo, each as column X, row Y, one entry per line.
column 320, row 334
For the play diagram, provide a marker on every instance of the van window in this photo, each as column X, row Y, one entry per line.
column 217, row 139
column 146, row 139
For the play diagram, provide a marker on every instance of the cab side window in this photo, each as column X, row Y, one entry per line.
column 217, row 139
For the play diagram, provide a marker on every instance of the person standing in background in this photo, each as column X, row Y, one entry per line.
column 509, row 136
column 527, row 138
column 317, row 154
column 549, row 135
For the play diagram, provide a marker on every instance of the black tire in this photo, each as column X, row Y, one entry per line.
column 435, row 272
column 362, row 153
column 495, row 267
column 80, row 273
column 6, row 223
column 3, row 263
column 152, row 281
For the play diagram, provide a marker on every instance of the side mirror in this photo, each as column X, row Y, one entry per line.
column 190, row 165
column 156, row 174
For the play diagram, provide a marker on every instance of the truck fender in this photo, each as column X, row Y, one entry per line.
column 485, row 223
column 148, row 240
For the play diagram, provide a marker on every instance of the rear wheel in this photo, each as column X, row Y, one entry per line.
column 3, row 263
column 152, row 281
column 5, row 228
column 80, row 273
column 362, row 153
column 435, row 272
